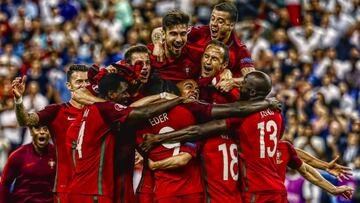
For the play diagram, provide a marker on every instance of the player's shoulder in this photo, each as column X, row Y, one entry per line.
column 19, row 152
column 109, row 106
column 205, row 29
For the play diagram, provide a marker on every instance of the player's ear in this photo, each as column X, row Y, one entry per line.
column 68, row 85
column 111, row 95
column 252, row 93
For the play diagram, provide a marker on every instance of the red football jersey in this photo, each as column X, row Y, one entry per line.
column 220, row 157
column 180, row 181
column 286, row 156
column 187, row 66
column 58, row 118
column 33, row 175
column 94, row 153
column 240, row 57
column 259, row 134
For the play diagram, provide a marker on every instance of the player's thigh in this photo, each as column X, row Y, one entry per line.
column 144, row 197
column 264, row 198
column 89, row 199
column 193, row 198
column 61, row 197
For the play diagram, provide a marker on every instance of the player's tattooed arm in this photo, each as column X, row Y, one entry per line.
column 313, row 176
column 191, row 133
column 139, row 114
column 337, row 170
column 243, row 108
column 173, row 162
column 24, row 118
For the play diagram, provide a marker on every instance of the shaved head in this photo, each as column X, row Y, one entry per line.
column 256, row 85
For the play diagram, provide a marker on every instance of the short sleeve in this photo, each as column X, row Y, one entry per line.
column 245, row 57
column 113, row 112
column 201, row 111
column 190, row 147
column 294, row 161
column 197, row 32
column 48, row 114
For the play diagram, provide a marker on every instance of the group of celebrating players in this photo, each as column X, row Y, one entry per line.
column 198, row 119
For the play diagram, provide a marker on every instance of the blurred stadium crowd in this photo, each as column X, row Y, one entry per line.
column 310, row 48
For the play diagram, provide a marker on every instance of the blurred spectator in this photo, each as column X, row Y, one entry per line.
column 310, row 142
column 352, row 148
column 306, row 39
column 10, row 131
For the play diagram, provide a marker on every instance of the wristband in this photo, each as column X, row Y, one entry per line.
column 18, row 101
column 163, row 95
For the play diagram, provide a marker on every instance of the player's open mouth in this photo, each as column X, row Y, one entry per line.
column 177, row 46
column 207, row 70
column 214, row 32
column 193, row 97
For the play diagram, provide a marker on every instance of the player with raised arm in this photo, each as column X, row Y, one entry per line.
column 57, row 117
column 181, row 61
column 287, row 156
column 221, row 27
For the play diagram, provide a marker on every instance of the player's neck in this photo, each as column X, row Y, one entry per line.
column 226, row 39
column 75, row 104
column 38, row 150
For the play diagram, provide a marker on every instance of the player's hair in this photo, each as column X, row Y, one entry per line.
column 75, row 68
column 229, row 8
column 160, row 85
column 174, row 17
column 134, row 49
column 220, row 44
column 110, row 82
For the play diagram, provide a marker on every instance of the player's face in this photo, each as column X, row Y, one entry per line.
column 245, row 89
column 79, row 79
column 220, row 25
column 212, row 61
column 189, row 89
column 122, row 95
column 142, row 58
column 175, row 39
column 41, row 136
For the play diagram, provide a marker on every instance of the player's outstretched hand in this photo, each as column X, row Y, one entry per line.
column 274, row 104
column 339, row 171
column 344, row 191
column 148, row 143
column 18, row 86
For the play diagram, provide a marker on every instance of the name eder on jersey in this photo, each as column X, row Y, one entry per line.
column 158, row 119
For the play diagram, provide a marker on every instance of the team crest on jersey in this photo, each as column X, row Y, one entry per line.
column 51, row 163
column 95, row 88
column 187, row 69
column 119, row 107
column 278, row 156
